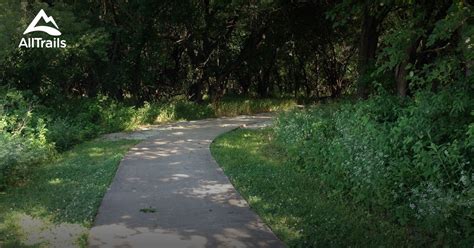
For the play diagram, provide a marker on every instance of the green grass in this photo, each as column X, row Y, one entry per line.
column 292, row 203
column 60, row 196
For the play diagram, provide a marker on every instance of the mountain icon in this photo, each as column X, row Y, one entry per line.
column 49, row 30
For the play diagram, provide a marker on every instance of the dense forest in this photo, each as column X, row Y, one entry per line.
column 388, row 86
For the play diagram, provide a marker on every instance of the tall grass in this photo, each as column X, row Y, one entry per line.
column 243, row 106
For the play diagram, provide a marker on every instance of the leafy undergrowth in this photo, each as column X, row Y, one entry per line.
column 31, row 132
column 293, row 203
column 245, row 106
column 407, row 159
column 57, row 204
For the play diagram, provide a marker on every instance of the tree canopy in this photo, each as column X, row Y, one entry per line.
column 153, row 50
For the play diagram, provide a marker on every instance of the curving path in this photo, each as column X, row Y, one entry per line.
column 169, row 192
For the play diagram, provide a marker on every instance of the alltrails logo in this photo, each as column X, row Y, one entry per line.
column 40, row 42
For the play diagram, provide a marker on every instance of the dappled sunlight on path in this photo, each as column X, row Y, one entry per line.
column 169, row 192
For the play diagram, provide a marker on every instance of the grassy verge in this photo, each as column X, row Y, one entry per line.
column 293, row 203
column 59, row 201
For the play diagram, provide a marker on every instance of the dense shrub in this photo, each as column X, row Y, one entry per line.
column 181, row 110
column 409, row 161
column 22, row 138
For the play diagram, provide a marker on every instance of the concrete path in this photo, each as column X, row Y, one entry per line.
column 169, row 192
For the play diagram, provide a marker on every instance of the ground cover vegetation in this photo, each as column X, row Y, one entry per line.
column 292, row 202
column 407, row 163
column 58, row 203
column 391, row 130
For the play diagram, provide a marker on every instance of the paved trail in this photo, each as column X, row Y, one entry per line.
column 169, row 192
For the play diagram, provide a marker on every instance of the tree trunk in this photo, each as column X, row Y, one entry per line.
column 401, row 79
column 401, row 71
column 262, row 83
column 244, row 82
column 367, row 48
column 196, row 88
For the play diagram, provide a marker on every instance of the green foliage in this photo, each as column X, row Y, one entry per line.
column 429, row 49
column 9, row 26
column 23, row 141
column 292, row 202
column 182, row 110
column 233, row 47
column 65, row 133
column 241, row 106
column 454, row 20
column 52, row 72
column 408, row 161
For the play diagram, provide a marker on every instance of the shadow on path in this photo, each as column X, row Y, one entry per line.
column 169, row 192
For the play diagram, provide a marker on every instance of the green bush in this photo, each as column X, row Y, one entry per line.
column 23, row 141
column 409, row 161
column 65, row 133
column 181, row 110
column 191, row 111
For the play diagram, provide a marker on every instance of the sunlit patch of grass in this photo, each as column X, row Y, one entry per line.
column 293, row 203
column 59, row 201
